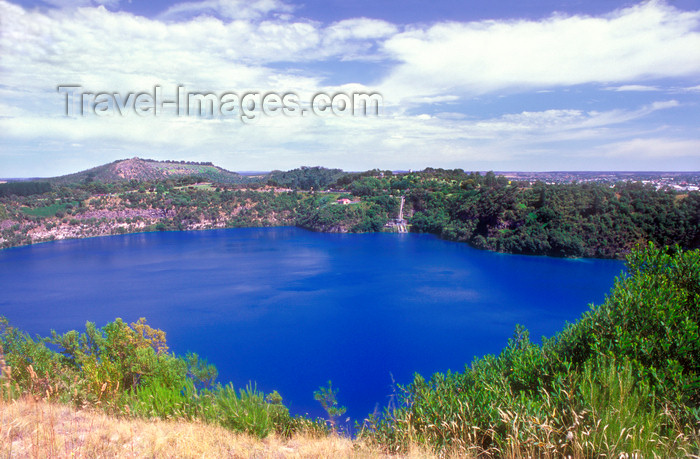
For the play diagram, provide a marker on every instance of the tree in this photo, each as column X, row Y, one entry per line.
column 326, row 396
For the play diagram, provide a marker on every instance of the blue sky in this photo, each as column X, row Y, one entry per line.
column 502, row 85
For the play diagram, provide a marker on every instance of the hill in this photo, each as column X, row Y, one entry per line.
column 151, row 170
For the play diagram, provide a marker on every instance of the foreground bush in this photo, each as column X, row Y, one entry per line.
column 621, row 380
column 127, row 369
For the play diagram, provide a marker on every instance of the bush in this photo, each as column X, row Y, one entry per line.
column 127, row 369
column 248, row 412
column 652, row 317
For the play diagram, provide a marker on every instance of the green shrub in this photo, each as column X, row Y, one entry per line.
column 328, row 398
column 248, row 412
column 153, row 400
column 621, row 415
column 33, row 368
column 653, row 318
column 126, row 368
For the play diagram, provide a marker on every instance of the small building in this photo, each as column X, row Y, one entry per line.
column 343, row 201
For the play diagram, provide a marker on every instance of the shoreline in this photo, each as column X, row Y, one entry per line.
column 145, row 231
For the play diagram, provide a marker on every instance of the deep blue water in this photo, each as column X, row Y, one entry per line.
column 290, row 309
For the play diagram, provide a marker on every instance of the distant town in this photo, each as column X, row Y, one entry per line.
column 679, row 181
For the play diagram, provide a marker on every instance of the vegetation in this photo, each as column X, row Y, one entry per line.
column 624, row 379
column 305, row 178
column 24, row 188
column 127, row 369
column 50, row 210
column 327, row 397
column 486, row 211
column 323, row 213
column 574, row 220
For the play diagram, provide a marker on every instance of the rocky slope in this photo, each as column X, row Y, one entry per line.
column 150, row 170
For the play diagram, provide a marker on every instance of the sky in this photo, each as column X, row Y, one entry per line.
column 479, row 85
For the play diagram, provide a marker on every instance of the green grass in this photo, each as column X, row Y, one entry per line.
column 47, row 211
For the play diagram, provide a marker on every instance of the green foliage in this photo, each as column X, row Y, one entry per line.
column 368, row 186
column 200, row 371
column 486, row 211
column 321, row 214
column 246, row 412
column 127, row 369
column 32, row 365
column 328, row 399
column 653, row 318
column 305, row 178
column 621, row 380
column 153, row 400
column 24, row 188
column 621, row 410
column 559, row 220
column 50, row 210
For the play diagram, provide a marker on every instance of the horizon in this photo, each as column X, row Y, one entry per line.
column 396, row 171
column 499, row 86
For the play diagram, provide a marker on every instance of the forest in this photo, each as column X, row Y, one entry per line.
column 24, row 188
column 484, row 210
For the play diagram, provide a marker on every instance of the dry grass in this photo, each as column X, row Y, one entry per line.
column 40, row 429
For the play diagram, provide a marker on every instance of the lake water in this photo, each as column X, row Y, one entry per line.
column 291, row 309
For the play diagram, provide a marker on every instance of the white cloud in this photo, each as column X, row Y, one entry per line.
column 659, row 148
column 355, row 39
column 68, row 4
column 102, row 50
column 221, row 46
column 227, row 9
column 633, row 87
column 650, row 40
column 556, row 124
column 329, row 140
column 359, row 29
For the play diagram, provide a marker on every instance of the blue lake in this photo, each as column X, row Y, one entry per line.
column 291, row 309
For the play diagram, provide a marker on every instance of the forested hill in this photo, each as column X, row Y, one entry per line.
column 487, row 211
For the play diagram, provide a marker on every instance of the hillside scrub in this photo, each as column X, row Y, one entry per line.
column 126, row 369
column 623, row 379
column 486, row 211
